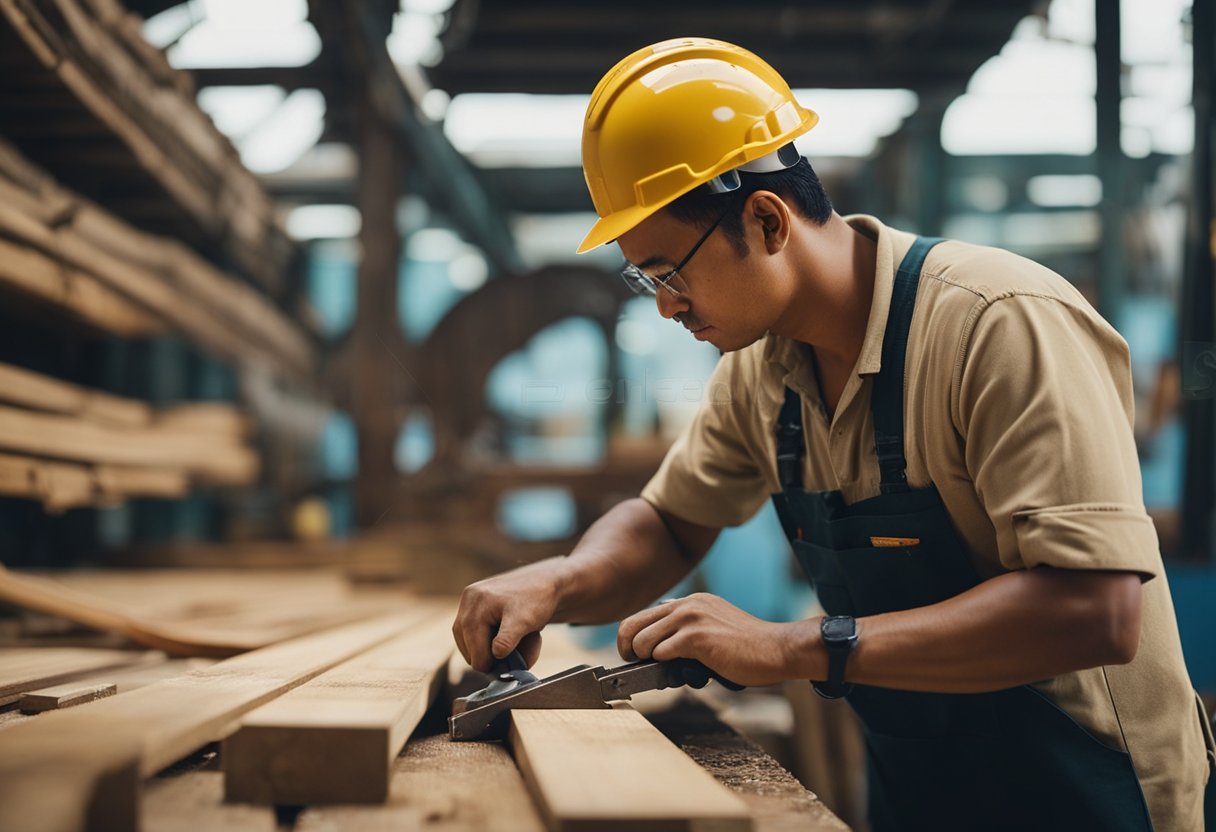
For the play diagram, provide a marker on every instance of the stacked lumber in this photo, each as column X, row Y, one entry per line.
column 184, row 613
column 60, row 249
column 81, row 768
column 335, row 723
column 70, row 446
column 126, row 122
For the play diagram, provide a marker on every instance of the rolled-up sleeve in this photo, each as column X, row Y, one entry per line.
column 1044, row 405
column 710, row 475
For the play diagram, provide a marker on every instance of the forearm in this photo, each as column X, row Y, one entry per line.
column 1014, row 629
column 624, row 561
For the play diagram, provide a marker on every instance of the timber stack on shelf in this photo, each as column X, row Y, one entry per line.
column 126, row 218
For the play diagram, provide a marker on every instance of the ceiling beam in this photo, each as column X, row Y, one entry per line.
column 350, row 34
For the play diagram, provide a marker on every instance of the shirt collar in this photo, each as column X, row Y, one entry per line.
column 891, row 244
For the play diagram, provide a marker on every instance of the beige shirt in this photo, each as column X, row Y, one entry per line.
column 1018, row 406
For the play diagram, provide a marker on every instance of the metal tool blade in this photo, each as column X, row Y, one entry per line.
column 637, row 677
column 576, row 688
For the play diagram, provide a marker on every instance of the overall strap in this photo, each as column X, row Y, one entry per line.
column 887, row 399
column 791, row 447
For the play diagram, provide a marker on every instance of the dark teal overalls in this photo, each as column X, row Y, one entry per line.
column 1005, row 760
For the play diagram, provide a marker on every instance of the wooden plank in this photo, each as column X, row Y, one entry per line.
column 150, row 611
column 173, row 142
column 442, row 786
column 612, row 770
column 64, row 485
column 189, row 797
column 64, row 696
column 28, row 273
column 38, row 392
column 333, row 739
column 211, row 458
column 80, row 768
column 215, row 326
column 25, row 186
column 29, row 668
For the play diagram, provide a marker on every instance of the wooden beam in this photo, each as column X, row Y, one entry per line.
column 334, row 739
column 38, row 392
column 211, row 458
column 601, row 770
column 23, row 669
column 146, row 114
column 353, row 31
column 64, row 485
column 63, row 696
column 29, row 273
column 440, row 785
column 147, row 609
column 70, row 237
column 80, row 769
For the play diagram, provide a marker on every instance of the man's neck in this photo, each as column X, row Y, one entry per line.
column 832, row 304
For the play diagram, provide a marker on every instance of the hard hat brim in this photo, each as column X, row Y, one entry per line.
column 609, row 228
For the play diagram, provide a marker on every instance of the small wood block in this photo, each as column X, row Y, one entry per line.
column 594, row 771
column 64, row 696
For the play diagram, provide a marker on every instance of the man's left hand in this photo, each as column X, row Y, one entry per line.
column 721, row 636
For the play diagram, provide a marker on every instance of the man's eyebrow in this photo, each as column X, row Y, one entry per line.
column 655, row 260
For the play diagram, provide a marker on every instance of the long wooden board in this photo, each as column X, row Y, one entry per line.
column 27, row 272
column 80, row 769
column 266, row 618
column 214, row 459
column 612, row 770
column 441, row 786
column 64, row 485
column 333, row 740
column 38, row 392
column 28, row 668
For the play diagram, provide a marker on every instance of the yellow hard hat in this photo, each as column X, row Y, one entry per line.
column 676, row 115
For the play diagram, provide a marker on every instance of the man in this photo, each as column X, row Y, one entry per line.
column 946, row 433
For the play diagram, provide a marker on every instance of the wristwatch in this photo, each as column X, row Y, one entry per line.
column 839, row 634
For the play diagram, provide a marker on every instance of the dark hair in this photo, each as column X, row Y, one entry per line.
column 798, row 185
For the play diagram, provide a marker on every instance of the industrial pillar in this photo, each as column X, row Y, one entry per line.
column 375, row 334
column 1197, row 311
column 1108, row 100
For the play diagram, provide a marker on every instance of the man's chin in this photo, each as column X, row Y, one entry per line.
column 732, row 342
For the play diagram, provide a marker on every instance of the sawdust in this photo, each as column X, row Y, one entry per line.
column 777, row 800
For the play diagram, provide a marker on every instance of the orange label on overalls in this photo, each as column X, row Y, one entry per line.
column 893, row 542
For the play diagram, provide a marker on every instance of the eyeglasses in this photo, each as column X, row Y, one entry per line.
column 644, row 284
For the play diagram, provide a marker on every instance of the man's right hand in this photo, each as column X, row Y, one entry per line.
column 506, row 612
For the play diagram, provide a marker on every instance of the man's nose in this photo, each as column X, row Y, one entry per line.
column 669, row 305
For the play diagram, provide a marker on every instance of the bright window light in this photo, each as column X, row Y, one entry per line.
column 1072, row 20
column 521, row 130
column 324, row 222
column 468, row 270
column 1079, row 191
column 1152, row 30
column 988, row 124
column 434, row 245
column 517, row 129
column 1037, row 67
column 415, row 38
column 239, row 33
column 852, row 121
column 426, row 6
column 238, row 110
column 286, row 134
column 162, row 29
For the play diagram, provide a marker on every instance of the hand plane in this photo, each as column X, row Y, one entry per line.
column 484, row 715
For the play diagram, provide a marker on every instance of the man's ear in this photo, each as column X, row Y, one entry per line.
column 773, row 218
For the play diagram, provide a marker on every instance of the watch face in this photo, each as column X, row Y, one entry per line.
column 839, row 628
